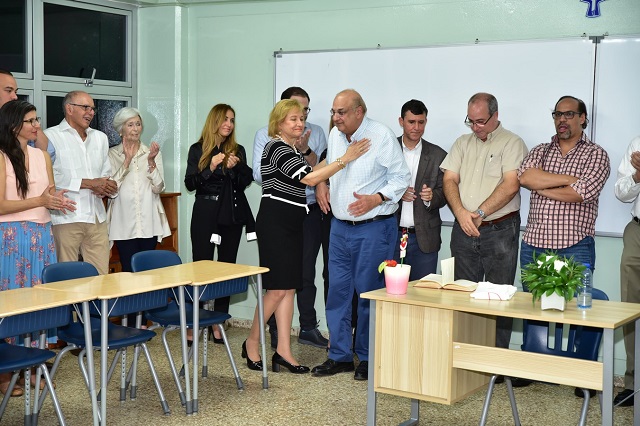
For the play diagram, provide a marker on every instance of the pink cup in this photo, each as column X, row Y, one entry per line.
column 397, row 278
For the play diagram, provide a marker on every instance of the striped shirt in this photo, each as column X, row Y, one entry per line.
column 558, row 224
column 282, row 168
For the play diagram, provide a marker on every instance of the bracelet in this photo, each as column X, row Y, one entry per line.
column 340, row 163
column 150, row 168
column 382, row 196
column 307, row 152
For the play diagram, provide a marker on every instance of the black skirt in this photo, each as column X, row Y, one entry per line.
column 279, row 230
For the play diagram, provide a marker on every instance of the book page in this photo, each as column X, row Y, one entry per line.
column 448, row 267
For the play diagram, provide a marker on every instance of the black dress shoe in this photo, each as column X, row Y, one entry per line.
column 578, row 392
column 620, row 397
column 218, row 341
column 252, row 365
column 517, row 382
column 362, row 372
column 331, row 367
column 274, row 338
column 277, row 361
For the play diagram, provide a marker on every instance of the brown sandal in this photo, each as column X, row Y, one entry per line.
column 17, row 390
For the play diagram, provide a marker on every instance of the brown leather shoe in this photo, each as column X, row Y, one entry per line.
column 17, row 390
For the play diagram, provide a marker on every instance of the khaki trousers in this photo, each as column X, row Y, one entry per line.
column 630, row 290
column 91, row 240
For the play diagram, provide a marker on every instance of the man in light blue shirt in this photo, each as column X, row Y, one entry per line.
column 311, row 145
column 364, row 198
column 9, row 92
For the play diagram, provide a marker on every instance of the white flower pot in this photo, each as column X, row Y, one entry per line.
column 396, row 278
column 552, row 302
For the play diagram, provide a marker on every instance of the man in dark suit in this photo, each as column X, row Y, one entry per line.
column 419, row 212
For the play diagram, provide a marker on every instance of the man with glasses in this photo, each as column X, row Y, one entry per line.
column 82, row 167
column 9, row 92
column 482, row 189
column 312, row 143
column 565, row 177
column 364, row 198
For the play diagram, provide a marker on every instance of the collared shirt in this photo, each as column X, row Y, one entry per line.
column 76, row 160
column 481, row 165
column 558, row 224
column 137, row 211
column 412, row 158
column 382, row 169
column 626, row 188
column 317, row 143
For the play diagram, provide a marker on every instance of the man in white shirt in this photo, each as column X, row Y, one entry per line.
column 312, row 143
column 627, row 189
column 82, row 167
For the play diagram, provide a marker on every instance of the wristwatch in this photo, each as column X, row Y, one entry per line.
column 480, row 213
column 307, row 152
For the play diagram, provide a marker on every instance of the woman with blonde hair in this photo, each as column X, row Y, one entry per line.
column 283, row 206
column 217, row 171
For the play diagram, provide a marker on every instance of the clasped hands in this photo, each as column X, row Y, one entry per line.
column 469, row 222
column 55, row 200
column 426, row 194
column 219, row 158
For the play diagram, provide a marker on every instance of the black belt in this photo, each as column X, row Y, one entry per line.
column 208, row 197
column 500, row 219
column 410, row 230
column 362, row 222
column 636, row 220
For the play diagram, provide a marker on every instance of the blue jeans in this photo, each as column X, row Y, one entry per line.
column 582, row 252
column 354, row 255
column 422, row 264
column 493, row 257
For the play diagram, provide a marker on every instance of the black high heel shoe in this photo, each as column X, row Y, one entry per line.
column 278, row 361
column 219, row 341
column 252, row 365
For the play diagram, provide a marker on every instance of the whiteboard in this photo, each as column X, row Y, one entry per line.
column 617, row 120
column 527, row 78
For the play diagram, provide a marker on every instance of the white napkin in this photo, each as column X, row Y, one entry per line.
column 487, row 290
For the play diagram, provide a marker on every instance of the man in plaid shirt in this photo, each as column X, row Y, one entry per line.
column 565, row 177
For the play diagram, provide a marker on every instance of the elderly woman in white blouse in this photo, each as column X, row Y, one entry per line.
column 137, row 221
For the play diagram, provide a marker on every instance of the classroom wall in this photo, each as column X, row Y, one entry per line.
column 195, row 56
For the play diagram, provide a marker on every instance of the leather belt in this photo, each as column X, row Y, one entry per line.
column 410, row 230
column 208, row 197
column 362, row 222
column 500, row 219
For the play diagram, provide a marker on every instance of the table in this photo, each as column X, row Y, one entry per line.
column 438, row 346
column 205, row 272
column 113, row 286
column 25, row 300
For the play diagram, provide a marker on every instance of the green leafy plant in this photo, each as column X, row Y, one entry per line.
column 551, row 273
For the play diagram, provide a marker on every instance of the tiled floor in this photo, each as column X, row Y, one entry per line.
column 294, row 399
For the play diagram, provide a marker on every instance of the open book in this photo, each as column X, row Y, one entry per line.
column 446, row 280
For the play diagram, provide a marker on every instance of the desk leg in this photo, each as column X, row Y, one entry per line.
column 263, row 345
column 636, row 378
column 185, row 354
column 415, row 414
column 607, row 380
column 371, row 393
column 104, row 323
column 91, row 367
column 196, row 335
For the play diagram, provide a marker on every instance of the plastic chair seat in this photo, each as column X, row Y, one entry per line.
column 118, row 336
column 170, row 316
column 14, row 357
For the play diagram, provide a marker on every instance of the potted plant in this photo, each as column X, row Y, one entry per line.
column 553, row 279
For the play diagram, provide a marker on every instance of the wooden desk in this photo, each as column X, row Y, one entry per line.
column 113, row 286
column 438, row 346
column 25, row 300
column 205, row 272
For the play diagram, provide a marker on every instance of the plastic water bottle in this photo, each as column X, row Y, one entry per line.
column 585, row 288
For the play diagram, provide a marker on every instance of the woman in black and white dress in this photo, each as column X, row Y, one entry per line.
column 283, row 207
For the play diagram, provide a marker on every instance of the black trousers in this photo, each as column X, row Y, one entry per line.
column 202, row 226
column 312, row 230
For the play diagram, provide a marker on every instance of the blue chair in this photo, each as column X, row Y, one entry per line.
column 14, row 358
column 119, row 337
column 582, row 343
column 169, row 316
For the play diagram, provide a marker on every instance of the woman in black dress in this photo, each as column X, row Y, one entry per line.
column 217, row 170
column 285, row 175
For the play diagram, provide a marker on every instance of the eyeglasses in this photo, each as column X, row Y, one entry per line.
column 341, row 112
column 85, row 108
column 306, row 110
column 568, row 114
column 32, row 121
column 479, row 123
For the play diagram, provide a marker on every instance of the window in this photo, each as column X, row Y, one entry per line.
column 13, row 33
